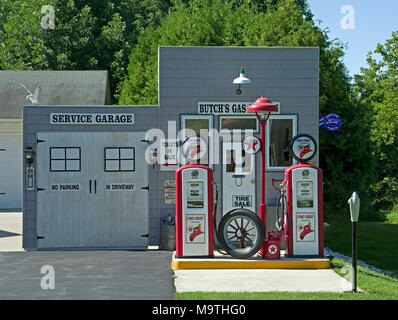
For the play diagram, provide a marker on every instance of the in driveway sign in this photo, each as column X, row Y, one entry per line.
column 92, row 190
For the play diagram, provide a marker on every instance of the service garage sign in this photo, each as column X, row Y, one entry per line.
column 91, row 118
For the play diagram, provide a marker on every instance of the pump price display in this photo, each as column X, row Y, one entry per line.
column 195, row 194
column 305, row 194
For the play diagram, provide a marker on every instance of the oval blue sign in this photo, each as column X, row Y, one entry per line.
column 332, row 122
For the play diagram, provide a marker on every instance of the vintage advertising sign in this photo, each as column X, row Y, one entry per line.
column 251, row 145
column 331, row 122
column 60, row 187
column 119, row 186
column 303, row 147
column 169, row 192
column 195, row 228
column 305, row 227
column 225, row 108
column 91, row 118
column 241, row 201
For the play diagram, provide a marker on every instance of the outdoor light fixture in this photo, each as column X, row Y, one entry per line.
column 29, row 155
column 262, row 107
column 242, row 79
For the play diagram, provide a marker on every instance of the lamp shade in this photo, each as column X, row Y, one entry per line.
column 354, row 204
column 262, row 105
column 242, row 79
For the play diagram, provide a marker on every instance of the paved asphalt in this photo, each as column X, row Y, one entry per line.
column 87, row 275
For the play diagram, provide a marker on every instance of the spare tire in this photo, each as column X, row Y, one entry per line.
column 241, row 233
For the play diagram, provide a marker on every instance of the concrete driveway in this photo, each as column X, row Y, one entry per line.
column 84, row 275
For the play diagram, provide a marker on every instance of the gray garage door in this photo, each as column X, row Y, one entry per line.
column 92, row 190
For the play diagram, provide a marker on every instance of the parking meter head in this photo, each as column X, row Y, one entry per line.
column 354, row 203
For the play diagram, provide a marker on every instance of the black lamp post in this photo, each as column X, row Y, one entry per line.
column 354, row 204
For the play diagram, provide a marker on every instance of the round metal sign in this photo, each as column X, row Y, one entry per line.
column 194, row 148
column 303, row 147
column 251, row 145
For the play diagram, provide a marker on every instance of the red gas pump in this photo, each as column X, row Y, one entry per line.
column 304, row 210
column 194, row 211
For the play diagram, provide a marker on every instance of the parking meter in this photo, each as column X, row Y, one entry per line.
column 194, row 211
column 304, row 235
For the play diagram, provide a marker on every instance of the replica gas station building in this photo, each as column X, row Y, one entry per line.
column 87, row 180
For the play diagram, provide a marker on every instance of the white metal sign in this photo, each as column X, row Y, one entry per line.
column 92, row 118
column 119, row 186
column 59, row 187
column 169, row 192
column 226, row 108
column 169, row 154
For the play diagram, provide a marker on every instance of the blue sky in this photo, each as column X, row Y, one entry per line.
column 374, row 22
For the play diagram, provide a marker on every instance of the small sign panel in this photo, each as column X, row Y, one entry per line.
column 195, row 232
column 169, row 154
column 303, row 147
column 241, row 201
column 119, row 187
column 251, row 145
column 91, row 118
column 226, row 108
column 60, row 187
column 331, row 122
column 169, row 192
column 305, row 227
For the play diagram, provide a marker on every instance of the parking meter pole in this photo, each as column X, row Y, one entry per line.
column 354, row 257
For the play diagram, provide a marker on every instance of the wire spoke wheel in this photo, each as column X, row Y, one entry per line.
column 241, row 233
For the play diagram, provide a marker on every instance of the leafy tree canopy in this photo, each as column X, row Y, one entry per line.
column 88, row 35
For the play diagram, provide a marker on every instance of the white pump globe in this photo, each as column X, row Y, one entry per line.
column 354, row 203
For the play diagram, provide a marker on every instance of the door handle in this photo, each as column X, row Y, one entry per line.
column 95, row 186
column 90, row 186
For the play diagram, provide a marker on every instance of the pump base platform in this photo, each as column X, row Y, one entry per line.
column 227, row 262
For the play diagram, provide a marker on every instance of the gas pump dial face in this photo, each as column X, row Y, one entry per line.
column 303, row 147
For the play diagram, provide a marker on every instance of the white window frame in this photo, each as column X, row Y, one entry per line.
column 201, row 117
column 238, row 117
column 267, row 155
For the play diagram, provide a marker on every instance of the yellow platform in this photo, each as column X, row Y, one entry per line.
column 227, row 262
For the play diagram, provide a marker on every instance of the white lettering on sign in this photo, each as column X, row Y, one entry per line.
column 91, row 118
column 241, row 201
column 226, row 108
column 58, row 187
column 119, row 186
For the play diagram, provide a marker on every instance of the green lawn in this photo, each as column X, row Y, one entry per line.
column 377, row 242
column 375, row 286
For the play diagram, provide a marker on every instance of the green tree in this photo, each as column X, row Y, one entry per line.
column 88, row 35
column 377, row 87
column 345, row 159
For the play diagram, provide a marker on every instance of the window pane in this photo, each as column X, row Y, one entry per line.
column 197, row 124
column 239, row 123
column 111, row 153
column 72, row 165
column 72, row 153
column 112, row 165
column 57, row 165
column 281, row 132
column 127, row 165
column 127, row 153
column 57, row 153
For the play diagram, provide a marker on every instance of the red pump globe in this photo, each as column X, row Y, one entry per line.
column 262, row 105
